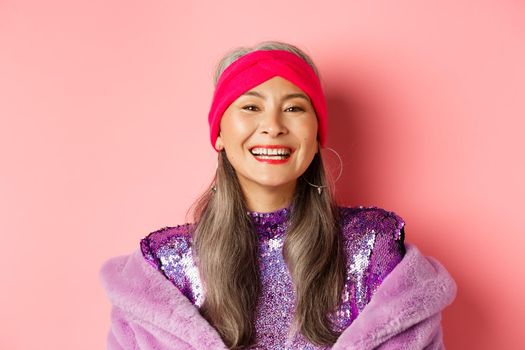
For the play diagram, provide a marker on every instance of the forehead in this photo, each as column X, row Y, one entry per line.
column 277, row 85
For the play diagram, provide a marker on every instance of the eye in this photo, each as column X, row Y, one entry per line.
column 297, row 109
column 250, row 107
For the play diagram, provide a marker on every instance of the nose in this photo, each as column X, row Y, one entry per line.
column 272, row 123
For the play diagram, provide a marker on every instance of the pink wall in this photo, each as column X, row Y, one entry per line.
column 103, row 139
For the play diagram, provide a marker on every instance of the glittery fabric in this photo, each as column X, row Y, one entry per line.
column 373, row 243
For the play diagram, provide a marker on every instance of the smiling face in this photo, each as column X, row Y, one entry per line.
column 270, row 135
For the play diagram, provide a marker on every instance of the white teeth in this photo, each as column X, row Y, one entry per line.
column 271, row 157
column 270, row 151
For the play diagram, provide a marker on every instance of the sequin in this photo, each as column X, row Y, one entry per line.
column 373, row 244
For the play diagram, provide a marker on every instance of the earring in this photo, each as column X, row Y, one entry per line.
column 320, row 187
column 214, row 187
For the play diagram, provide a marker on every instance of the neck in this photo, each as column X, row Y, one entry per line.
column 268, row 199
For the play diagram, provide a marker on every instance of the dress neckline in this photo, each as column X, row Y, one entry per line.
column 270, row 224
column 278, row 212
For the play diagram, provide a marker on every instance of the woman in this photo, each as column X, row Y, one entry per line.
column 271, row 262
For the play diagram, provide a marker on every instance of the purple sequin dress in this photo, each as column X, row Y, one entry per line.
column 373, row 243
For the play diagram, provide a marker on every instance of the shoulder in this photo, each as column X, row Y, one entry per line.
column 171, row 239
column 373, row 242
column 360, row 220
column 170, row 250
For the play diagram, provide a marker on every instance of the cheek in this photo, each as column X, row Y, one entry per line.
column 308, row 135
column 234, row 124
column 233, row 129
column 307, row 130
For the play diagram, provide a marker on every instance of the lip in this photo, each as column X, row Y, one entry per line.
column 273, row 161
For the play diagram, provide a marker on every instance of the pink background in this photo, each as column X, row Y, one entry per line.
column 104, row 138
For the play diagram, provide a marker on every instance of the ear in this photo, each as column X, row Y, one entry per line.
column 218, row 143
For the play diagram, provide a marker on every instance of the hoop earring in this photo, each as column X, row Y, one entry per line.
column 320, row 187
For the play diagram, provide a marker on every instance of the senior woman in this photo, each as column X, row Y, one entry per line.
column 271, row 261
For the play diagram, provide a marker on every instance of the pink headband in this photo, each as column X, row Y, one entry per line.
column 255, row 68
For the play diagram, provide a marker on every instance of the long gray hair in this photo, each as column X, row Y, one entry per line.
column 226, row 245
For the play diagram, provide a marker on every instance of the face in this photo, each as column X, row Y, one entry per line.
column 269, row 134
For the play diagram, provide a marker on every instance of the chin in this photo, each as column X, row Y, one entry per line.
column 275, row 183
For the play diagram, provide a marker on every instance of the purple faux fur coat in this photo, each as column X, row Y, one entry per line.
column 149, row 313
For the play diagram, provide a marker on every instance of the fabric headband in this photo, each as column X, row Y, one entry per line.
column 255, row 68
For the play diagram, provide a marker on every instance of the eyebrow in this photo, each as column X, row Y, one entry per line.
column 286, row 97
